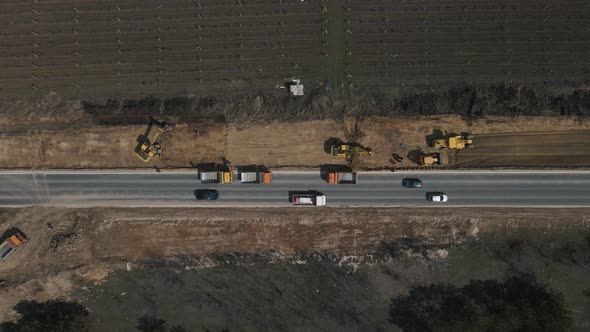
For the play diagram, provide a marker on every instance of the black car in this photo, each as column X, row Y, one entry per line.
column 412, row 183
column 207, row 194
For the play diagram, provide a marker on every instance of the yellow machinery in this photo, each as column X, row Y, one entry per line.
column 456, row 142
column 148, row 148
column 349, row 149
column 429, row 159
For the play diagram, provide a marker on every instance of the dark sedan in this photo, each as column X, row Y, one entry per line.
column 412, row 183
column 207, row 194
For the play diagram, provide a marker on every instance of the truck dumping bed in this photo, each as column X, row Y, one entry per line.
column 342, row 177
column 11, row 243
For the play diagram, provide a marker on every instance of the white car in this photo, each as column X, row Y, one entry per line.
column 437, row 197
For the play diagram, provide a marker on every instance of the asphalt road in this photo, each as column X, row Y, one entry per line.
column 142, row 188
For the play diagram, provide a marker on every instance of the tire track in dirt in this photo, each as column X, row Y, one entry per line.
column 541, row 149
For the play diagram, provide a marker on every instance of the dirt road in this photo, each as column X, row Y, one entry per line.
column 536, row 149
column 294, row 144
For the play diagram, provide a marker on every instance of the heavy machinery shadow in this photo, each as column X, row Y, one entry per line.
column 366, row 148
column 327, row 168
column 414, row 156
column 10, row 232
column 208, row 166
column 151, row 122
column 144, row 137
column 436, row 134
column 331, row 141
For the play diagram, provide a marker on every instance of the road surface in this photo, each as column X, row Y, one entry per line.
column 148, row 188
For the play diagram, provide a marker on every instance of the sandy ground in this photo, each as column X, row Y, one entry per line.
column 526, row 149
column 83, row 245
column 298, row 144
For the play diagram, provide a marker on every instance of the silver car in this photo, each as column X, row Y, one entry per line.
column 437, row 197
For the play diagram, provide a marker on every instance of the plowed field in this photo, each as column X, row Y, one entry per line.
column 123, row 47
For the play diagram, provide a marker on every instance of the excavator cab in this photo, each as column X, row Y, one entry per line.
column 340, row 150
column 148, row 148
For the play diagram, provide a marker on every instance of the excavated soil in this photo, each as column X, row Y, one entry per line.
column 499, row 141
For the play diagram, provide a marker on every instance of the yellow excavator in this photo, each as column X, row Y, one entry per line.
column 148, row 148
column 347, row 150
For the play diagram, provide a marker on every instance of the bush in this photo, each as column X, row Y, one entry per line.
column 516, row 304
column 53, row 315
column 151, row 324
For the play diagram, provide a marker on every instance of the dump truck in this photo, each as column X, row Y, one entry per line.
column 308, row 198
column 11, row 243
column 454, row 142
column 256, row 175
column 216, row 175
column 341, row 177
column 429, row 159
